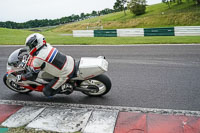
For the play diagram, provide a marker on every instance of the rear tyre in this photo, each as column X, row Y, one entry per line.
column 14, row 87
column 101, row 84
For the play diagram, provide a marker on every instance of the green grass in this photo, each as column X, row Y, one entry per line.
column 24, row 130
column 125, row 40
column 57, row 39
column 158, row 15
column 14, row 37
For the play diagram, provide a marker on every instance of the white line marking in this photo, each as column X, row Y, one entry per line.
column 119, row 108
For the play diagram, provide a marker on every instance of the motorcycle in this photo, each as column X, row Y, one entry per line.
column 88, row 76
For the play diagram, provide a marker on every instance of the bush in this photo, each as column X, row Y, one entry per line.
column 137, row 7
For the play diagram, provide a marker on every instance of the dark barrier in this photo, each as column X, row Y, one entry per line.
column 159, row 31
column 105, row 33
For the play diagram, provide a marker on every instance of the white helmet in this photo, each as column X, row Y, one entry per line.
column 35, row 42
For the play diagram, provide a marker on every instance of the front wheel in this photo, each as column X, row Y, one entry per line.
column 13, row 86
column 101, row 82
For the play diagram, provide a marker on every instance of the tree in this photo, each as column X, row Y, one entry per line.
column 94, row 13
column 120, row 5
column 137, row 7
column 198, row 2
column 82, row 16
column 168, row 2
column 179, row 1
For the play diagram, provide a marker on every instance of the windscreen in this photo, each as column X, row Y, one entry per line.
column 13, row 58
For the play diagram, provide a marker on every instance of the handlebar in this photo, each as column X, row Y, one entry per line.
column 24, row 62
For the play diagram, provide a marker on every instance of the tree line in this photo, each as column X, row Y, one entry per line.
column 52, row 22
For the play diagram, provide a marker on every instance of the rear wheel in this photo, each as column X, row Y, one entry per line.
column 14, row 87
column 101, row 84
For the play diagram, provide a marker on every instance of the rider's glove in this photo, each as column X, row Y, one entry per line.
column 19, row 78
column 21, row 65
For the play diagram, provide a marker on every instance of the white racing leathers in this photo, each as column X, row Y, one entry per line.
column 56, row 64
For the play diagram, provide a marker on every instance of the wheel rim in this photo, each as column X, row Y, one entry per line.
column 101, row 86
column 14, row 87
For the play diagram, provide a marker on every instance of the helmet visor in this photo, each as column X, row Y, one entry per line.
column 32, row 42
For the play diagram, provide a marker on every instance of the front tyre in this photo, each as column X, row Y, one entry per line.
column 14, row 87
column 101, row 82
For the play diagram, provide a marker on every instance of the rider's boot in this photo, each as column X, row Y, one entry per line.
column 66, row 88
column 48, row 91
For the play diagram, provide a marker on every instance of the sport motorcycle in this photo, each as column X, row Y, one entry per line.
column 87, row 77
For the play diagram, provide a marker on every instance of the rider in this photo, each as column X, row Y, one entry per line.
column 50, row 60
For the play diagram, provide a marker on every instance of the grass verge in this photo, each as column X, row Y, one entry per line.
column 24, row 130
column 17, row 37
column 124, row 40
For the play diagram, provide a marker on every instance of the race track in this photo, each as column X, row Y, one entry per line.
column 155, row 76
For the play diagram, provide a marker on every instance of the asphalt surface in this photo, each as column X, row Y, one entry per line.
column 164, row 77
